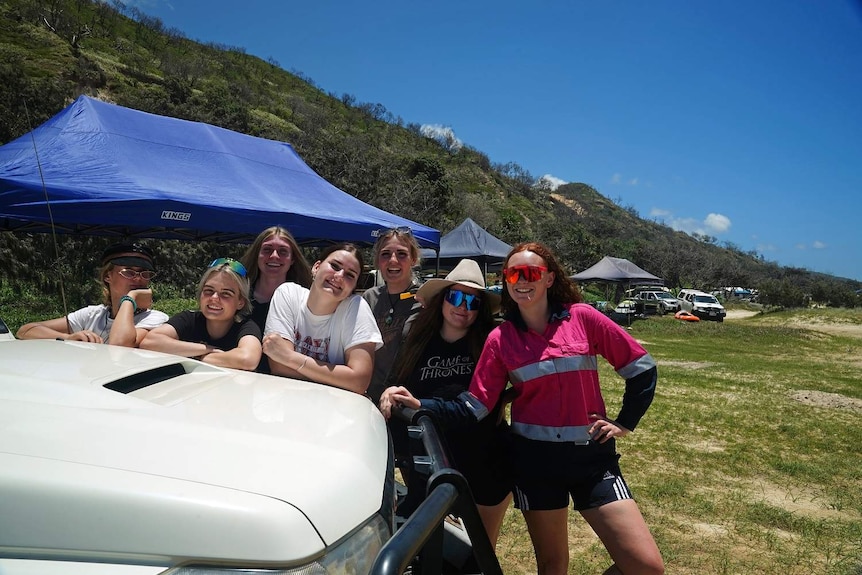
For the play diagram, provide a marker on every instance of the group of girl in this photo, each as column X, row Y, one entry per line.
column 445, row 352
column 273, row 313
column 436, row 347
column 269, row 311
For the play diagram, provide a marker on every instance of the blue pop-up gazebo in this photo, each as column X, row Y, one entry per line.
column 102, row 169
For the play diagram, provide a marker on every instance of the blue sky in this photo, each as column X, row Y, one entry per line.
column 740, row 120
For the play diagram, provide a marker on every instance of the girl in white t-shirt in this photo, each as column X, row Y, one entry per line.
column 325, row 334
column 125, row 316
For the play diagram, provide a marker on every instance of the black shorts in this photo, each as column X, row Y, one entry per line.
column 547, row 474
column 489, row 479
column 480, row 455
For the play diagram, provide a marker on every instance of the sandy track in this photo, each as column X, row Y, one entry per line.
column 843, row 329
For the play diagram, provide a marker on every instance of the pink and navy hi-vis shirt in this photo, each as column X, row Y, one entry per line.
column 555, row 374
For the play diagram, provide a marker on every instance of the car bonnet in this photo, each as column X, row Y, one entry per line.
column 214, row 457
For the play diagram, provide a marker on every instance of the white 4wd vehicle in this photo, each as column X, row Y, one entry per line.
column 125, row 461
column 701, row 304
column 658, row 301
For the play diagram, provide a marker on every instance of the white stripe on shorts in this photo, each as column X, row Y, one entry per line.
column 523, row 504
column 621, row 489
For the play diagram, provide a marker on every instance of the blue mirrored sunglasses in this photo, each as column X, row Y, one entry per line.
column 457, row 297
column 232, row 264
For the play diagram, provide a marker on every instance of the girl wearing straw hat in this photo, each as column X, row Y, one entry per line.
column 437, row 360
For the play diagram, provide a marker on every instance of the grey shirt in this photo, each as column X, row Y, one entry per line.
column 394, row 314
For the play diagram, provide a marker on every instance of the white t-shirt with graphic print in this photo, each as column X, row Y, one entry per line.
column 321, row 337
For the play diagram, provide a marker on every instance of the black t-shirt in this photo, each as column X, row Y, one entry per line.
column 259, row 312
column 192, row 326
column 444, row 371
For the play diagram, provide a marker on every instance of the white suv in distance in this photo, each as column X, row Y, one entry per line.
column 124, row 461
column 701, row 304
column 658, row 301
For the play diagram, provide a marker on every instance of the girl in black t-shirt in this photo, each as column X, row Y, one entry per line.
column 221, row 332
column 437, row 360
column 272, row 259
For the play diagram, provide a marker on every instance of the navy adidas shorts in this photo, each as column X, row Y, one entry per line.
column 547, row 474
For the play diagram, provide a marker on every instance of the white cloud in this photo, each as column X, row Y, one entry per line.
column 443, row 134
column 552, row 181
column 712, row 225
column 816, row 244
column 618, row 179
column 687, row 225
column 763, row 248
column 659, row 213
column 717, row 223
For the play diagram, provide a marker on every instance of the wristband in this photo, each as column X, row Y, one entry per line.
column 131, row 299
column 304, row 361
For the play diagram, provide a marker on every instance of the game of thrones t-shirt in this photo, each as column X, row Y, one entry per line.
column 444, row 371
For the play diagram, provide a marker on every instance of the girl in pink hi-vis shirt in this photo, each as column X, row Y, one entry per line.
column 563, row 443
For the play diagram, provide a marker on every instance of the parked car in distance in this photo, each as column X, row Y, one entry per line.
column 658, row 301
column 701, row 304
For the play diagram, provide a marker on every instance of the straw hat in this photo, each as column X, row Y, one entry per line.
column 468, row 274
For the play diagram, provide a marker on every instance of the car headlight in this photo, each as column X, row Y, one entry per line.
column 353, row 555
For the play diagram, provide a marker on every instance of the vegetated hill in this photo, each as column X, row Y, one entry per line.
column 51, row 51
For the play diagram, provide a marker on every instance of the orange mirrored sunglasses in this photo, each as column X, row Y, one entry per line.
column 529, row 273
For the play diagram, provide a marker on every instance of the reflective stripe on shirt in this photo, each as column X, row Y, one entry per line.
column 578, row 434
column 478, row 408
column 552, row 366
column 637, row 367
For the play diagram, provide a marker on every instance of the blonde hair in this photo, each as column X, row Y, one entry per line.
column 106, row 287
column 240, row 281
column 403, row 235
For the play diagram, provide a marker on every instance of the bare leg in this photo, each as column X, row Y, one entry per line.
column 492, row 518
column 625, row 535
column 549, row 532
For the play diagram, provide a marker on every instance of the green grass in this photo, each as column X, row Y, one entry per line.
column 732, row 472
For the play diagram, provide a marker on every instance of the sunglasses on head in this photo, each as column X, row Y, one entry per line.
column 529, row 273
column 400, row 230
column 232, row 264
column 132, row 274
column 457, row 297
